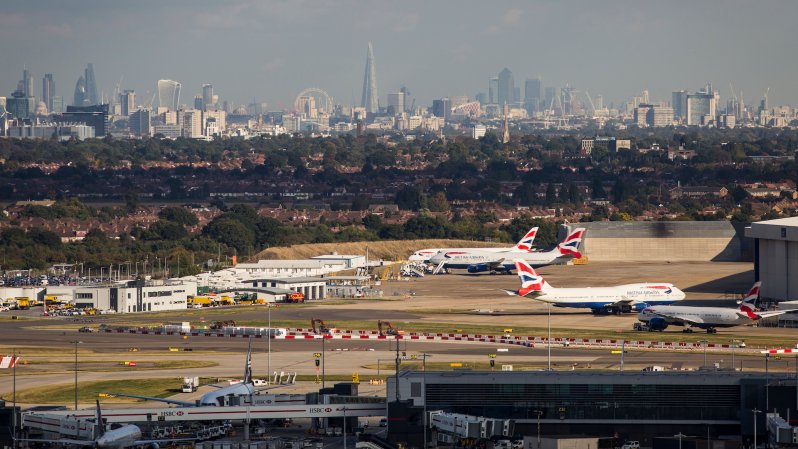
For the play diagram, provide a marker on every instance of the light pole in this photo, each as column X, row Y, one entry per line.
column 755, row 412
column 548, row 339
column 680, row 436
column 269, row 360
column 76, row 342
column 322, row 358
column 704, row 342
column 734, row 344
column 14, row 400
column 767, row 384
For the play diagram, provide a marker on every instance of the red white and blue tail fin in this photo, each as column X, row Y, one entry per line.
column 753, row 294
column 531, row 281
column 570, row 246
column 525, row 244
column 748, row 306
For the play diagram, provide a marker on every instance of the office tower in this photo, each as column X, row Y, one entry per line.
column 532, row 95
column 140, row 122
column 369, row 99
column 27, row 83
column 91, row 87
column 645, row 97
column 598, row 102
column 442, row 108
column 702, row 106
column 19, row 105
column 219, row 116
column 641, row 114
column 191, row 123
column 169, row 94
column 207, row 96
column 506, row 92
column 128, row 101
column 93, row 115
column 679, row 104
column 48, row 90
column 199, row 104
column 80, row 93
column 396, row 103
column 493, row 91
column 659, row 116
column 58, row 104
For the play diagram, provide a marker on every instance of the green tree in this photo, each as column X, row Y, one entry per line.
column 178, row 215
column 232, row 233
column 438, row 203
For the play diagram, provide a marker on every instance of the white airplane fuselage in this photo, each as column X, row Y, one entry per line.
column 703, row 317
column 472, row 258
column 603, row 297
column 122, row 437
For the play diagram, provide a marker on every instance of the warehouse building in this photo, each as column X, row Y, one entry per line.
column 619, row 241
column 312, row 287
column 134, row 296
column 635, row 405
column 776, row 257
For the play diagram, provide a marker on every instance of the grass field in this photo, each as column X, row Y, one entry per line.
column 88, row 391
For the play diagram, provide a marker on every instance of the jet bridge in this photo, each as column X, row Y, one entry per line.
column 355, row 406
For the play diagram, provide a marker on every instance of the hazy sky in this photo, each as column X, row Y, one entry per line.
column 271, row 50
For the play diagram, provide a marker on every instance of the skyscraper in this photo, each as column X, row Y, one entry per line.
column 493, row 91
column 91, row 86
column 27, row 83
column 48, row 91
column 370, row 98
column 396, row 102
column 506, row 87
column 679, row 104
column 80, row 93
column 169, row 94
column 532, row 95
column 127, row 100
column 207, row 96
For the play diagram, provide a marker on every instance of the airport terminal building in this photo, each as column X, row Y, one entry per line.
column 635, row 405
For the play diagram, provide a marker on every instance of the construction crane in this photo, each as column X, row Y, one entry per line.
column 322, row 329
column 389, row 329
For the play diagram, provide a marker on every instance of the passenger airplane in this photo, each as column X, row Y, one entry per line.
column 600, row 300
column 477, row 261
column 525, row 244
column 709, row 318
column 214, row 398
column 122, row 437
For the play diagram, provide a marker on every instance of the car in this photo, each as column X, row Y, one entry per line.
column 631, row 445
column 384, row 422
column 85, row 329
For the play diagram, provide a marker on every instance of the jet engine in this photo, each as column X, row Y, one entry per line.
column 657, row 324
column 478, row 268
column 639, row 307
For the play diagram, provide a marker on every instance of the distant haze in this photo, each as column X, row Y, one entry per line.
column 271, row 50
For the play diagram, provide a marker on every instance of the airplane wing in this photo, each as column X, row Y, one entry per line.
column 764, row 314
column 149, row 398
column 509, row 292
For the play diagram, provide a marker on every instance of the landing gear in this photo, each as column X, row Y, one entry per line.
column 712, row 330
column 687, row 330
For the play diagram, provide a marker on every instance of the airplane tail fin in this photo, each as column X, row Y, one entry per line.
column 525, row 244
column 752, row 297
column 570, row 246
column 100, row 424
column 531, row 282
column 248, row 366
column 749, row 305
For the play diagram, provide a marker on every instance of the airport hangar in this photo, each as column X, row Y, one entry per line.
column 636, row 405
column 776, row 257
column 649, row 241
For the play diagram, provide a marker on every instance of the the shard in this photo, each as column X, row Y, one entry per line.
column 370, row 98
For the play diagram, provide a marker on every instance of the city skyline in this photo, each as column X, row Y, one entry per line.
column 625, row 50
